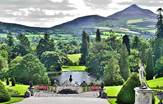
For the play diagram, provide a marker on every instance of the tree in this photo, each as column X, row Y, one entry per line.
column 84, row 48
column 150, row 65
column 123, row 63
column 112, row 74
column 29, row 69
column 126, row 41
column 10, row 40
column 98, row 36
column 53, row 60
column 98, row 57
column 24, row 42
column 136, row 42
column 18, row 50
column 45, row 44
column 160, row 24
column 134, row 60
column 10, row 43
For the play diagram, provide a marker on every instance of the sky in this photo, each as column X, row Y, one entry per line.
column 47, row 13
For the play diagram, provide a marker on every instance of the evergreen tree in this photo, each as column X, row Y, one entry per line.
column 98, row 36
column 126, row 41
column 150, row 65
column 84, row 48
column 136, row 42
column 10, row 40
column 45, row 44
column 22, row 48
column 10, row 43
column 24, row 42
column 123, row 63
column 160, row 24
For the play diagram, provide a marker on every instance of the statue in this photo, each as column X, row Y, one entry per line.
column 142, row 77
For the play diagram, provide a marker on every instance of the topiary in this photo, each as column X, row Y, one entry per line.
column 127, row 93
column 4, row 95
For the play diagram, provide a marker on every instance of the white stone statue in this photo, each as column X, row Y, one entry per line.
column 142, row 77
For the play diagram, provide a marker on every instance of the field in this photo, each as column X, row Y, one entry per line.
column 73, row 68
column 135, row 21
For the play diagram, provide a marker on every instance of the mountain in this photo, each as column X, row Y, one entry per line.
column 132, row 19
column 132, row 12
column 80, row 24
column 11, row 27
column 133, row 16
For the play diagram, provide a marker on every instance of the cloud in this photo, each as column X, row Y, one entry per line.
column 153, row 3
column 42, row 4
column 98, row 4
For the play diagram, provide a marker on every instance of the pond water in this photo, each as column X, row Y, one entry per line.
column 77, row 77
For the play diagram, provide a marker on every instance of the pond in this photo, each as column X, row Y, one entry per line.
column 77, row 77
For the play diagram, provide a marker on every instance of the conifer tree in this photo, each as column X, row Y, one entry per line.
column 84, row 48
column 98, row 36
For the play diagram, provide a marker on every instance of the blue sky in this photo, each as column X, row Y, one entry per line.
column 47, row 13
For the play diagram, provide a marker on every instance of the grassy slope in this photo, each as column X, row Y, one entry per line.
column 20, row 89
column 74, row 57
column 112, row 90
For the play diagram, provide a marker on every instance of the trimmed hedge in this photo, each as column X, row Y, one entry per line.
column 4, row 95
column 127, row 93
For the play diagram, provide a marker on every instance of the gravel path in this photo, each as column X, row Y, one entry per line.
column 63, row 100
column 85, row 94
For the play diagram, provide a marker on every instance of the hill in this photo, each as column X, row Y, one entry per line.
column 134, row 20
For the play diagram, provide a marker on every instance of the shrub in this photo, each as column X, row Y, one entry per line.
column 4, row 95
column 127, row 93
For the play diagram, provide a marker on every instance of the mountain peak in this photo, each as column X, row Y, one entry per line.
column 134, row 11
column 134, row 6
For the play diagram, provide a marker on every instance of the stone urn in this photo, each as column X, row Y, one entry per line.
column 160, row 96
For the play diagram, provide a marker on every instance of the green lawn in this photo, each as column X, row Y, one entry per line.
column 155, row 83
column 21, row 89
column 13, row 100
column 112, row 90
column 74, row 57
column 73, row 68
